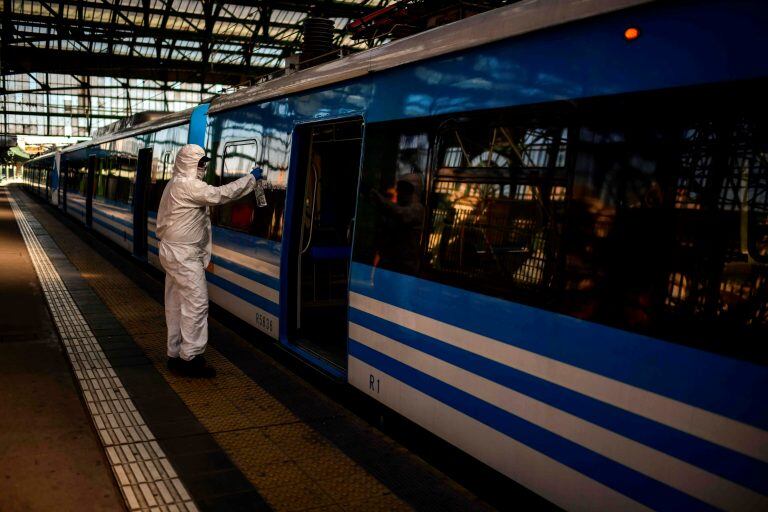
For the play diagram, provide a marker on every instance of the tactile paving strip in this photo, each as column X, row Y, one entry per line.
column 144, row 474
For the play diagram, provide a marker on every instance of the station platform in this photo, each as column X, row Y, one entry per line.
column 90, row 415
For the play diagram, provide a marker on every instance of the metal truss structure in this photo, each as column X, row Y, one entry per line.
column 69, row 66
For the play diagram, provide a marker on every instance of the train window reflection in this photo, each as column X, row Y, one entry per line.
column 391, row 211
column 77, row 175
column 268, row 221
column 593, row 209
column 238, row 158
column 162, row 173
column 496, row 205
column 662, row 227
column 114, row 181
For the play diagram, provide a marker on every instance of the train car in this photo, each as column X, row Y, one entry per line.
column 113, row 183
column 40, row 175
column 541, row 233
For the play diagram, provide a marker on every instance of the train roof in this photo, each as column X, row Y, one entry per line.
column 495, row 25
column 166, row 121
column 35, row 158
column 488, row 27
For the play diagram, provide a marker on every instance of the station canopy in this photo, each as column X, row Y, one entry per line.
column 71, row 66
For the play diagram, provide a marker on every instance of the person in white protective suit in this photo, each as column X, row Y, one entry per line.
column 184, row 231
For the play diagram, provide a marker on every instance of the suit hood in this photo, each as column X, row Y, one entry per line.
column 187, row 159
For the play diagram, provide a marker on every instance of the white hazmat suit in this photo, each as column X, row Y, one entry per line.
column 184, row 231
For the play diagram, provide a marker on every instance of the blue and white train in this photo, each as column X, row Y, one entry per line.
column 541, row 233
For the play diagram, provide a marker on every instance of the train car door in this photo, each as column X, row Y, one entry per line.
column 140, row 193
column 320, row 244
column 63, row 180
column 48, row 184
column 89, row 189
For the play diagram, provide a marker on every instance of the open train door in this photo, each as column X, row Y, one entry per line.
column 140, row 193
column 320, row 240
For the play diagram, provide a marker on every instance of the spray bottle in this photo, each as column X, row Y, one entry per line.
column 258, row 191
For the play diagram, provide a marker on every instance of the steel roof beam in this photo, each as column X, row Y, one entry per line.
column 104, row 5
column 23, row 60
column 121, row 30
column 265, row 15
column 80, row 87
column 78, row 114
column 23, row 37
column 60, row 26
column 163, row 24
column 327, row 8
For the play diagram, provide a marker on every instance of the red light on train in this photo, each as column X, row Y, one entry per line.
column 631, row 33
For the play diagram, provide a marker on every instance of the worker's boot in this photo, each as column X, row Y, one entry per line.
column 174, row 364
column 197, row 367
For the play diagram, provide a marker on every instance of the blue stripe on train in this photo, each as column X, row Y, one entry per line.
column 197, row 124
column 112, row 228
column 247, row 295
column 244, row 271
column 113, row 204
column 659, row 366
column 612, row 474
column 109, row 216
column 716, row 459
column 249, row 273
column 250, row 245
column 76, row 209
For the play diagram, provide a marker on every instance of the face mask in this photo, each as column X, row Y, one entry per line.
column 202, row 165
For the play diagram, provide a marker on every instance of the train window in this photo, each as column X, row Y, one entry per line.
column 487, row 217
column 166, row 168
column 275, row 158
column 497, row 202
column 667, row 223
column 121, row 177
column 391, row 209
column 114, row 177
column 620, row 225
column 103, row 165
column 659, row 228
column 77, row 175
column 238, row 158
column 161, row 175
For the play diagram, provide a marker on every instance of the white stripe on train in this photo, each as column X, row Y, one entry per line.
column 244, row 310
column 236, row 257
column 243, row 282
column 560, row 484
column 683, row 476
column 233, row 277
column 737, row 436
column 247, row 261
